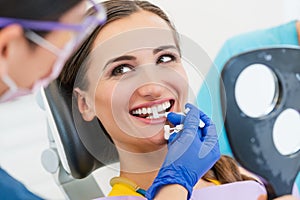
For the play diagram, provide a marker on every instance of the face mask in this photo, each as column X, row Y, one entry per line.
column 83, row 30
column 14, row 91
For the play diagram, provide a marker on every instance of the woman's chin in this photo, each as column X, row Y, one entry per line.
column 158, row 139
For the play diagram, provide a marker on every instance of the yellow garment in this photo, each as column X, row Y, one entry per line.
column 216, row 182
column 123, row 187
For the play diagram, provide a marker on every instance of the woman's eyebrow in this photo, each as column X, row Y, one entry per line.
column 161, row 48
column 127, row 57
column 120, row 58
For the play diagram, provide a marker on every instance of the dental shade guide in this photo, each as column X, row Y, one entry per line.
column 168, row 129
column 176, row 129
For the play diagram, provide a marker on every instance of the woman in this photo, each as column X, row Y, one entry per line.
column 35, row 39
column 128, row 74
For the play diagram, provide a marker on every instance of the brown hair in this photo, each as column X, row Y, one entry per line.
column 115, row 9
column 226, row 169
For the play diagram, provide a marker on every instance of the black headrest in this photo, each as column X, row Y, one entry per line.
column 251, row 138
column 83, row 155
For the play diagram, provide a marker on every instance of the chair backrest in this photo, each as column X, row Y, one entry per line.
column 251, row 137
column 82, row 146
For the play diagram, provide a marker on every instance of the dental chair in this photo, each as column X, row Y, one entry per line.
column 70, row 158
column 261, row 98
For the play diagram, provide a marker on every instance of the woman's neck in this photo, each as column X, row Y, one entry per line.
column 143, row 180
column 141, row 168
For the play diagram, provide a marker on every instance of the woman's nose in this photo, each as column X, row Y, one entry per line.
column 151, row 91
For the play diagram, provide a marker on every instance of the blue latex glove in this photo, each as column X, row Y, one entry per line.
column 192, row 152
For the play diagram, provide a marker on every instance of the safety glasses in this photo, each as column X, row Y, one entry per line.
column 82, row 30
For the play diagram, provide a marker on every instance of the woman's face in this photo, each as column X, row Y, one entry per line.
column 135, row 76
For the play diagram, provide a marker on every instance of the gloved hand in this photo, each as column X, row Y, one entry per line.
column 192, row 152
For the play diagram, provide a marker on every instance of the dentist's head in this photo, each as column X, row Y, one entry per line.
column 36, row 38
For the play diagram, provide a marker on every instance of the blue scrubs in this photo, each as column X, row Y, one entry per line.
column 11, row 189
column 283, row 35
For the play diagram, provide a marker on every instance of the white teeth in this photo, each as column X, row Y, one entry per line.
column 144, row 111
column 159, row 108
column 154, row 110
column 168, row 104
column 164, row 106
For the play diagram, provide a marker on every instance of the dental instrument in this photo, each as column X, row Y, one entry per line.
column 177, row 128
column 167, row 130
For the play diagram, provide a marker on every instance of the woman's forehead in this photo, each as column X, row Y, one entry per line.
column 138, row 20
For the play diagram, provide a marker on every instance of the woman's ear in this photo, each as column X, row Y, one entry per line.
column 84, row 104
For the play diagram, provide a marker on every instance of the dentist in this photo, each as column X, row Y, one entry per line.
column 36, row 38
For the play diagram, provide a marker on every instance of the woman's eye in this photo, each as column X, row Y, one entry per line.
column 166, row 59
column 121, row 69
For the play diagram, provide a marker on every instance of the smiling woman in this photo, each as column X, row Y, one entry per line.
column 127, row 74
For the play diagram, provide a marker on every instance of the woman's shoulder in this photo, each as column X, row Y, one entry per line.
column 246, row 190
